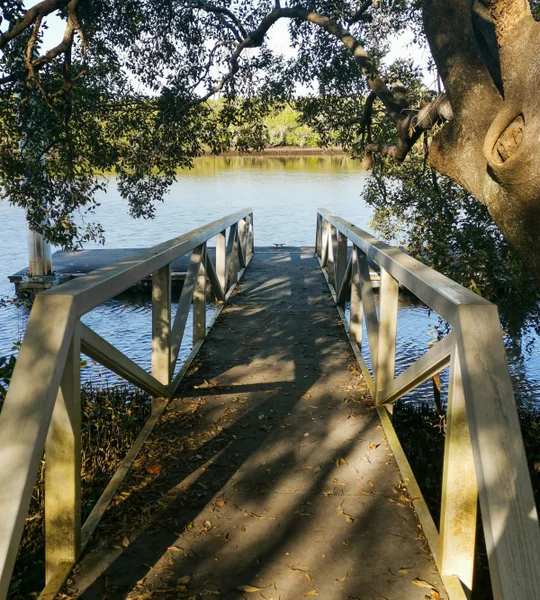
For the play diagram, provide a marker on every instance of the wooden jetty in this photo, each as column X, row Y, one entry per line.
column 78, row 263
column 292, row 482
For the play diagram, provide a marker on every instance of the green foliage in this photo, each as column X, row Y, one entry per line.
column 133, row 95
column 130, row 96
column 439, row 223
column 284, row 129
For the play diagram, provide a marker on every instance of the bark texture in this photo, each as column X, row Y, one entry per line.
column 487, row 53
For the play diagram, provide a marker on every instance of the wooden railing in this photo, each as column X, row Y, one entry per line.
column 484, row 454
column 42, row 407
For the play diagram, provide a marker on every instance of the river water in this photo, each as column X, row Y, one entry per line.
column 285, row 194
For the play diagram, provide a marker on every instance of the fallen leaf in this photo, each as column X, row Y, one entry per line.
column 262, row 517
column 403, row 571
column 301, row 571
column 248, row 589
column 425, row 584
column 154, row 469
column 340, row 461
column 373, row 446
column 184, row 580
column 314, row 592
column 342, row 513
column 125, row 542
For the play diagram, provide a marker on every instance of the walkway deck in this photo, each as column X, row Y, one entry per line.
column 270, row 470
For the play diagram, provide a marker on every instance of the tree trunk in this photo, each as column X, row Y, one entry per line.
column 492, row 145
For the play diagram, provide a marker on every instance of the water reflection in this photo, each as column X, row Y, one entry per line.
column 285, row 194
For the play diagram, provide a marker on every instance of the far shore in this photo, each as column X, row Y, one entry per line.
column 291, row 151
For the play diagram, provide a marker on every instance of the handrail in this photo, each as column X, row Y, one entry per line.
column 484, row 453
column 42, row 406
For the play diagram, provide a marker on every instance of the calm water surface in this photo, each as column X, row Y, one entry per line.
column 285, row 194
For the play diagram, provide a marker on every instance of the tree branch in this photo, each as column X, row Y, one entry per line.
column 239, row 32
column 360, row 14
column 42, row 9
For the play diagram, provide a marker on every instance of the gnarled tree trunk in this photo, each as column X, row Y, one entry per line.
column 487, row 55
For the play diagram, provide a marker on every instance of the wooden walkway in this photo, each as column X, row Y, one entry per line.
column 269, row 475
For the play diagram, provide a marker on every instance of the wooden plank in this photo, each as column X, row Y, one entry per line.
column 25, row 417
column 199, row 300
column 357, row 309
column 459, row 490
column 341, row 259
column 106, row 283
column 229, row 256
column 233, row 256
column 370, row 310
column 324, row 243
column 63, row 468
column 161, row 325
column 184, row 305
column 437, row 291
column 214, row 279
column 509, row 515
column 221, row 259
column 56, row 581
column 386, row 347
column 451, row 583
column 354, row 345
column 318, row 236
column 242, row 251
column 433, row 361
column 345, row 286
column 251, row 233
column 332, row 256
column 100, row 350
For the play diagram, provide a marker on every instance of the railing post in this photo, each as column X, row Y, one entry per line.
column 318, row 235
column 325, row 234
column 357, row 307
column 161, row 325
column 459, row 489
column 221, row 259
column 341, row 259
column 233, row 255
column 242, row 230
column 386, row 346
column 251, row 236
column 330, row 263
column 199, row 300
column 63, row 467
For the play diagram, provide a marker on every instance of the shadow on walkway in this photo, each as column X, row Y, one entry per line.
column 269, row 475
